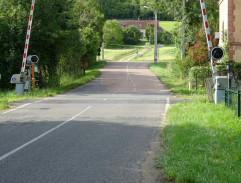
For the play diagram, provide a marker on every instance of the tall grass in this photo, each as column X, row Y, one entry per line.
column 168, row 52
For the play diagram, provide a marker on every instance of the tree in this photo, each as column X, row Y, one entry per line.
column 150, row 32
column 113, row 36
column 131, row 35
column 12, row 35
column 132, row 9
column 70, row 31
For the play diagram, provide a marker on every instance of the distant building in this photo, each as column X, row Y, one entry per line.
column 229, row 22
column 141, row 25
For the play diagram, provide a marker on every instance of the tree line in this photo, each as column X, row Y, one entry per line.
column 131, row 9
column 64, row 33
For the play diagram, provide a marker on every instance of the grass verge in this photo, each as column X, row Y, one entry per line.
column 91, row 73
column 166, row 74
column 201, row 140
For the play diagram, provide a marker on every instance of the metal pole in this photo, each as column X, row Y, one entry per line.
column 183, row 30
column 33, row 77
column 155, row 38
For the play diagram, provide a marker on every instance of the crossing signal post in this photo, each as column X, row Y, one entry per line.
column 22, row 80
column 31, row 61
column 216, row 53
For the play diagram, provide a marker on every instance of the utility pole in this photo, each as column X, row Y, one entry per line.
column 183, row 30
column 155, row 38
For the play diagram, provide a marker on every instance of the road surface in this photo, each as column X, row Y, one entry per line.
column 98, row 133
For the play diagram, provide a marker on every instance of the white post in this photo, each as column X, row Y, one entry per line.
column 183, row 30
column 155, row 38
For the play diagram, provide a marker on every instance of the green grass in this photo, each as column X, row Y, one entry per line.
column 165, row 53
column 202, row 144
column 178, row 86
column 67, row 83
column 201, row 140
column 117, row 54
column 168, row 25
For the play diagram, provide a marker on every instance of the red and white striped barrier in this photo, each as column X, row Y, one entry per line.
column 27, row 37
column 207, row 30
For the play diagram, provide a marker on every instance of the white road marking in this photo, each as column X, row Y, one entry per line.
column 167, row 104
column 127, row 70
column 38, row 101
column 128, row 77
column 22, row 106
column 42, row 135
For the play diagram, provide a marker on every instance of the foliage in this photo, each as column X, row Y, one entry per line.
column 161, row 36
column 237, row 70
column 225, row 59
column 132, row 9
column 201, row 73
column 131, row 35
column 69, row 32
column 113, row 36
column 150, row 32
column 198, row 54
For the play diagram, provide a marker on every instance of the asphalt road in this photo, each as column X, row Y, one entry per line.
column 98, row 133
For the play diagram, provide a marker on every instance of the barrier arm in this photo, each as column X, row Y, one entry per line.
column 25, row 54
column 208, row 36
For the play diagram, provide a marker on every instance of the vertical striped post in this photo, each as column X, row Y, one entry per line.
column 27, row 37
column 207, row 31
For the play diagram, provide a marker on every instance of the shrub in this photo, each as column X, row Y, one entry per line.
column 201, row 72
column 131, row 35
column 113, row 36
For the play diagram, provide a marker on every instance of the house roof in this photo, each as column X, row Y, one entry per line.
column 140, row 24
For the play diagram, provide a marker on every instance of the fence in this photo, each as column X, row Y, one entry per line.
column 197, row 75
column 232, row 100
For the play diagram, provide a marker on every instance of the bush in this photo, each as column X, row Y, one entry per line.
column 131, row 35
column 113, row 36
column 201, row 73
